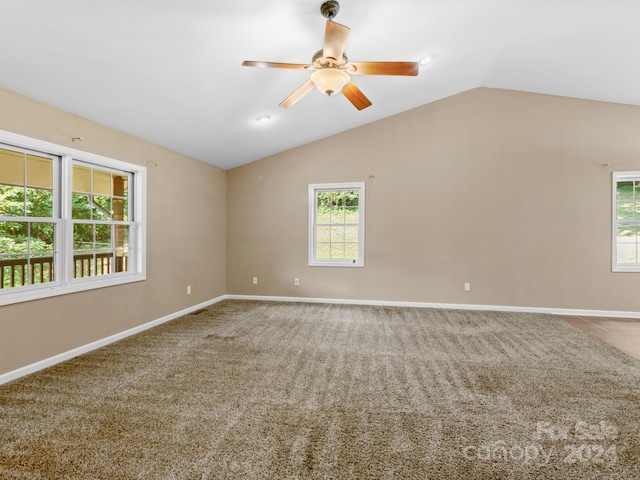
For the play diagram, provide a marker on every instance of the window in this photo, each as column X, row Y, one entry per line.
column 28, row 219
column 626, row 222
column 69, row 220
column 336, row 224
column 101, row 226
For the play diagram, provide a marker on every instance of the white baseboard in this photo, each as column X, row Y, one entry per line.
column 449, row 306
column 48, row 362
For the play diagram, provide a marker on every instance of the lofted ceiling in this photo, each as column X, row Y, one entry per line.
column 170, row 71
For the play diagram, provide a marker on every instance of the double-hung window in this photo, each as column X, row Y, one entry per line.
column 336, row 224
column 69, row 220
column 100, row 218
column 626, row 222
column 29, row 217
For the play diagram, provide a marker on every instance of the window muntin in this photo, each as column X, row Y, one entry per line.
column 109, row 248
column 626, row 222
column 336, row 224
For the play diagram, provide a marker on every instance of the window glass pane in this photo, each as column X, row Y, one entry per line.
column 337, row 251
column 39, row 203
column 337, row 215
column 120, row 185
column 624, row 200
column 323, row 217
column 120, row 209
column 103, row 237
column 121, row 241
column 323, row 234
column 41, row 253
column 11, row 167
column 351, row 215
column 323, row 250
column 627, row 243
column 80, row 207
column 351, row 198
column 41, row 234
column 323, row 208
column 13, row 238
column 83, row 236
column 12, row 200
column 351, row 250
column 627, row 231
column 351, row 234
column 101, row 182
column 337, row 234
column 83, row 264
column 101, row 208
column 39, row 171
column 81, row 180
column 13, row 253
column 103, row 262
column 42, row 270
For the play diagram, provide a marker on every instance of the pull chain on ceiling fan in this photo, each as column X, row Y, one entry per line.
column 331, row 69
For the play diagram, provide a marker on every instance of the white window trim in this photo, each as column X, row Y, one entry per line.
column 313, row 262
column 64, row 250
column 615, row 266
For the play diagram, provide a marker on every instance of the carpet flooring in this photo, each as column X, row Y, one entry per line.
column 262, row 390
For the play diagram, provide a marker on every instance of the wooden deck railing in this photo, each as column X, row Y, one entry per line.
column 15, row 272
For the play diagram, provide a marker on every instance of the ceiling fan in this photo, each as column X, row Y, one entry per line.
column 331, row 68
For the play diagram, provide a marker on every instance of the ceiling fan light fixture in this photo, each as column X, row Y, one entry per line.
column 330, row 81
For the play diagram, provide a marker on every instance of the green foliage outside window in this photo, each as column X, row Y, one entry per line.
column 16, row 236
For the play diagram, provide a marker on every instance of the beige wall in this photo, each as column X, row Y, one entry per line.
column 505, row 190
column 502, row 189
column 186, row 242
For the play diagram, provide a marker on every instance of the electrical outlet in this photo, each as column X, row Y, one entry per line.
column 296, row 282
column 467, row 287
column 255, row 280
column 188, row 289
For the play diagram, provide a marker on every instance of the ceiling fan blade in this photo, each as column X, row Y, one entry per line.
column 335, row 40
column 292, row 99
column 292, row 66
column 385, row 68
column 355, row 96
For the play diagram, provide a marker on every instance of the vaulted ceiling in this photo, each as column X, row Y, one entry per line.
column 170, row 71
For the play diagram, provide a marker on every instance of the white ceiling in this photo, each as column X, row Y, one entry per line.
column 169, row 71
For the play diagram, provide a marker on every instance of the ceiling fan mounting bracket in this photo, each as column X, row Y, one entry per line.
column 330, row 9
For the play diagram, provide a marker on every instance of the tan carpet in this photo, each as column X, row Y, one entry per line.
column 269, row 390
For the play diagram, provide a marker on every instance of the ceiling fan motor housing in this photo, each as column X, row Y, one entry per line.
column 329, row 9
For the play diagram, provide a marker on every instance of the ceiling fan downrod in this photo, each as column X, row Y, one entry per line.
column 330, row 9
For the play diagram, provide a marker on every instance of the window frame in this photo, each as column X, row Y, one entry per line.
column 618, row 177
column 323, row 187
column 63, row 282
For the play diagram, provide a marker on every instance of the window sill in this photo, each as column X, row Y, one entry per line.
column 40, row 292
column 337, row 264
